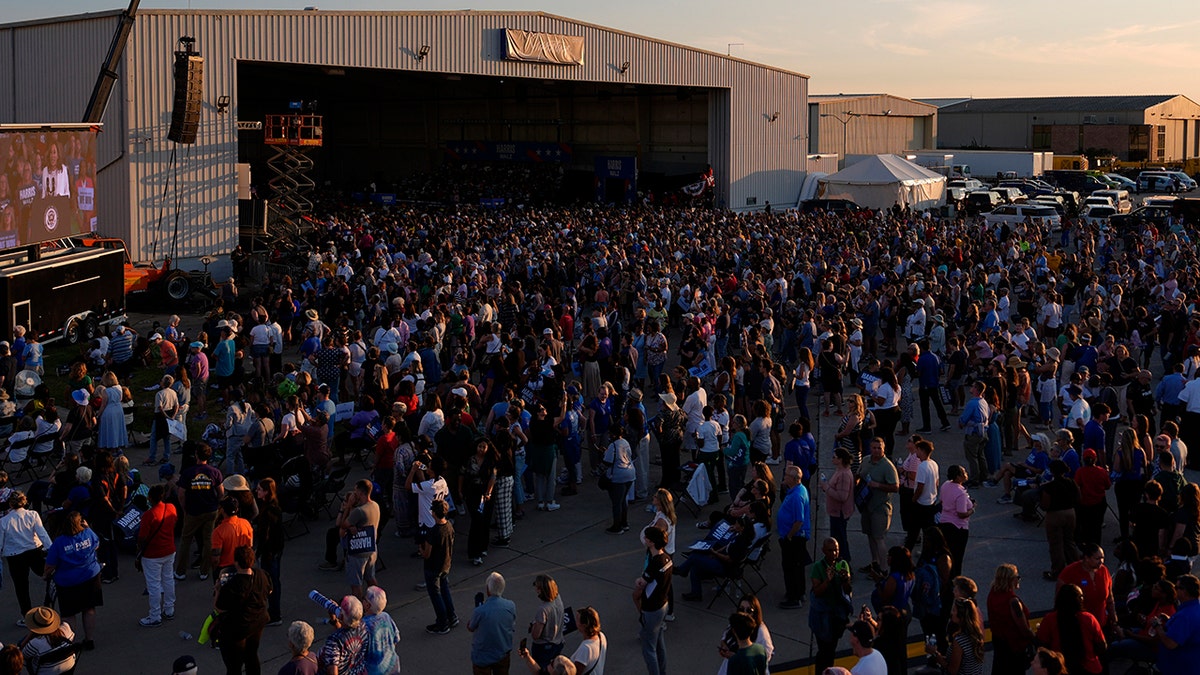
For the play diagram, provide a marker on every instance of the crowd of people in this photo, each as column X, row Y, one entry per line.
column 487, row 359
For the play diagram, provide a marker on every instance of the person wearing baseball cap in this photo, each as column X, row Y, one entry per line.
column 184, row 665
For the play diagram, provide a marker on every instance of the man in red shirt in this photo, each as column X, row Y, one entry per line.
column 156, row 547
column 1094, row 482
column 233, row 531
column 1090, row 574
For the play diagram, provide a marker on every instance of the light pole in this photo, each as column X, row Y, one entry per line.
column 844, row 118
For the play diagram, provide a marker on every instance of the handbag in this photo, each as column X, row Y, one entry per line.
column 604, row 481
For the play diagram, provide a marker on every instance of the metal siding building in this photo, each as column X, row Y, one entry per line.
column 757, row 123
column 1163, row 128
column 875, row 124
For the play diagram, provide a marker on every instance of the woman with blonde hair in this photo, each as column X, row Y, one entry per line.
column 849, row 434
column 966, row 642
column 1009, row 621
column 546, row 629
column 663, row 505
column 112, row 435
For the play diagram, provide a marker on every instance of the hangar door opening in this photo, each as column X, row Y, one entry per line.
column 446, row 137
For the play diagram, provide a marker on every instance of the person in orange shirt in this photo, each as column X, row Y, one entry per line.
column 233, row 531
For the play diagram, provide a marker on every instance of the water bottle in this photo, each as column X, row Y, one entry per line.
column 185, row 636
column 326, row 603
column 823, row 478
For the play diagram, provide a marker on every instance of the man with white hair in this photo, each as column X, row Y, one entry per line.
column 345, row 649
column 382, row 634
column 492, row 624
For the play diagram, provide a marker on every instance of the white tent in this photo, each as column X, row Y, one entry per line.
column 881, row 181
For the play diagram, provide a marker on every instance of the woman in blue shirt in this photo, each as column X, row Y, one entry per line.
column 71, row 562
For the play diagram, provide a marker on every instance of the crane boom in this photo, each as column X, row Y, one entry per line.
column 108, row 71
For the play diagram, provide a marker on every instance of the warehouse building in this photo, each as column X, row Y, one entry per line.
column 869, row 124
column 399, row 92
column 1162, row 128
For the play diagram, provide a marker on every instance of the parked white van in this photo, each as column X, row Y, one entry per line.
column 1014, row 214
column 1120, row 199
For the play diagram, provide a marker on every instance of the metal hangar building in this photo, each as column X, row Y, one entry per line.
column 399, row 92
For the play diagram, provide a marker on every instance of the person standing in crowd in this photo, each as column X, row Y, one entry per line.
column 156, row 547
column 862, row 640
column 619, row 469
column 241, row 605
column 956, row 511
column 1092, row 577
column 1059, row 498
column 23, row 542
column 113, row 434
column 72, row 564
column 437, row 549
column 925, row 493
column 345, row 650
column 491, row 626
column 929, row 373
column 269, row 538
column 1179, row 640
column 974, row 421
column 546, row 629
column 300, row 637
column 382, row 634
column 1008, row 618
column 650, row 593
column 200, row 494
column 795, row 528
column 43, row 647
column 358, row 526
column 831, row 605
column 878, row 475
column 1073, row 631
column 231, row 533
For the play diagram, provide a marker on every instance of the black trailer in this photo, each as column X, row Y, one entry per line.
column 69, row 293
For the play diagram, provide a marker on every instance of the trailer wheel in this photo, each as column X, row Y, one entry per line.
column 91, row 328
column 178, row 286
column 73, row 332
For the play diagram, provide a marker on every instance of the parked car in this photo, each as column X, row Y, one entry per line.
column 982, row 201
column 1014, row 214
column 956, row 194
column 1160, row 200
column 1156, row 182
column 1098, row 215
column 828, row 205
column 968, row 184
column 1053, row 201
column 1093, row 200
column 1009, row 194
column 1185, row 181
column 1154, row 213
column 1120, row 199
column 1125, row 182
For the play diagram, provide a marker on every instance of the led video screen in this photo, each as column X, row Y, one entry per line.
column 47, row 184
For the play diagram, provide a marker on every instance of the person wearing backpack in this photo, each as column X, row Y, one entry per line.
column 931, row 585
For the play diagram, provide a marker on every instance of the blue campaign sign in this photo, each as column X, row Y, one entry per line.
column 616, row 167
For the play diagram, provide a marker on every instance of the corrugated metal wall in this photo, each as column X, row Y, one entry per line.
column 754, row 158
column 47, row 72
column 908, row 126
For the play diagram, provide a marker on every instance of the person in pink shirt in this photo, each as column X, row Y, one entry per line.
column 957, row 508
column 839, row 499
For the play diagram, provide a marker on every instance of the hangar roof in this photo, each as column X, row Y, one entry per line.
column 1057, row 104
column 430, row 13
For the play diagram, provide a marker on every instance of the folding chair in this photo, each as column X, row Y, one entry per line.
column 685, row 495
column 326, row 493
column 19, row 453
column 43, row 449
column 294, row 485
column 734, row 585
column 754, row 563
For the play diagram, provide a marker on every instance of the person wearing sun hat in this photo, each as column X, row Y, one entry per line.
column 80, row 423
column 47, row 632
